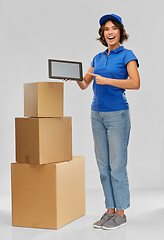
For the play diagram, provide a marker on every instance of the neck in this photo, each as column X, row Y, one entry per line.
column 110, row 48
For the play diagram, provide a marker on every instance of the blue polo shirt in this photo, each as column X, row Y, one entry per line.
column 108, row 98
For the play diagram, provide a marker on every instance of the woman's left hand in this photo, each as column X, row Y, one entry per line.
column 99, row 79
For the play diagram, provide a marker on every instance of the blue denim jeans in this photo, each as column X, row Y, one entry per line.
column 111, row 136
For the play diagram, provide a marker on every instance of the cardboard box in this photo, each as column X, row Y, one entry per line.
column 43, row 140
column 43, row 99
column 48, row 196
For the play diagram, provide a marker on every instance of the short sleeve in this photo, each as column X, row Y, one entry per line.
column 93, row 62
column 129, row 57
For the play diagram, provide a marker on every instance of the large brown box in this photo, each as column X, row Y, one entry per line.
column 48, row 196
column 43, row 99
column 43, row 140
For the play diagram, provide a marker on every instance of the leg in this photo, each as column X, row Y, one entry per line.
column 120, row 212
column 102, row 157
column 118, row 125
column 111, row 211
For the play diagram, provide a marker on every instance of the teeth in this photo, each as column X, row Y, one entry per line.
column 111, row 37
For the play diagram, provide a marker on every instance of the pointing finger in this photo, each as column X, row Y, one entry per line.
column 94, row 75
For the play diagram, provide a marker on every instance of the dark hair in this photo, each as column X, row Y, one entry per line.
column 123, row 35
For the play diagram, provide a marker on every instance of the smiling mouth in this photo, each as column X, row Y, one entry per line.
column 111, row 38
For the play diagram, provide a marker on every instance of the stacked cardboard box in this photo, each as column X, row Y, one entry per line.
column 48, row 184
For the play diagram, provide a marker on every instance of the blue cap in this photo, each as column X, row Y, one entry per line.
column 110, row 17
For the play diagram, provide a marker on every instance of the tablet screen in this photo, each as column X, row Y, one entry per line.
column 60, row 69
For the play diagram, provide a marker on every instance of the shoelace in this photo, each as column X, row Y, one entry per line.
column 105, row 215
column 114, row 217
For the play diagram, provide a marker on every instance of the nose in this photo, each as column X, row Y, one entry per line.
column 110, row 31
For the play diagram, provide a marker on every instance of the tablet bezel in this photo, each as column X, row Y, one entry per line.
column 50, row 61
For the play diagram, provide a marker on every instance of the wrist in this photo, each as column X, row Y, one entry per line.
column 107, row 81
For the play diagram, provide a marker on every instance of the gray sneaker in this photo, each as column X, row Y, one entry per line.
column 115, row 222
column 105, row 217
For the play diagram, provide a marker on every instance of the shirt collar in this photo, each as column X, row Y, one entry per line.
column 119, row 49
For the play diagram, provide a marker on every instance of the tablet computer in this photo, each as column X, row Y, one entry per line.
column 60, row 69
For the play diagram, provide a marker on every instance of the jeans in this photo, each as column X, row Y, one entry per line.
column 111, row 136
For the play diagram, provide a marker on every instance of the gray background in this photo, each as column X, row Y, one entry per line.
column 32, row 31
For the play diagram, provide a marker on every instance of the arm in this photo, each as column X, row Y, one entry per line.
column 86, row 80
column 133, row 82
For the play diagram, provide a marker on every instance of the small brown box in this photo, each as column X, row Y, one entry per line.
column 43, row 140
column 43, row 99
column 48, row 196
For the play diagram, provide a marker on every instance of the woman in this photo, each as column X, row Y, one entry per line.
column 112, row 71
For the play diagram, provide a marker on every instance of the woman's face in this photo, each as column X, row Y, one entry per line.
column 112, row 35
